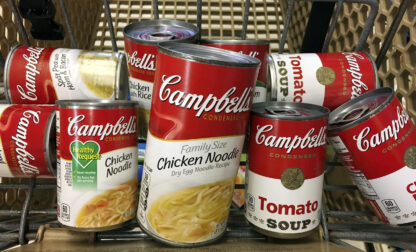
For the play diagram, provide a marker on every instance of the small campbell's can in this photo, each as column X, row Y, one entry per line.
column 97, row 166
column 140, row 41
column 36, row 75
column 285, row 171
column 27, row 135
column 254, row 48
column 326, row 79
column 375, row 139
column 198, row 121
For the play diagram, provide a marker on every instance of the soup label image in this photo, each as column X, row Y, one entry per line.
column 97, row 164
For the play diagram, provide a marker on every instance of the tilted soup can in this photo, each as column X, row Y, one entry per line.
column 27, row 135
column 376, row 141
column 37, row 75
column 254, row 48
column 141, row 40
column 97, row 163
column 285, row 171
column 198, row 121
column 325, row 79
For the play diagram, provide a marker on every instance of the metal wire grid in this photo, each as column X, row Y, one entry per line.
column 18, row 227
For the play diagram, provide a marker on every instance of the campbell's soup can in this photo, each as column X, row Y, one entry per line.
column 140, row 41
column 96, row 163
column 326, row 79
column 37, row 75
column 254, row 48
column 27, row 135
column 198, row 121
column 286, row 160
column 376, row 141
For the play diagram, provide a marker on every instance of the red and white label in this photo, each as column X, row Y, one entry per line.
column 275, row 146
column 376, row 148
column 326, row 79
column 198, row 121
column 23, row 131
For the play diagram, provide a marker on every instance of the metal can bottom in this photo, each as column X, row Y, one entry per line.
column 98, row 229
column 181, row 244
column 282, row 235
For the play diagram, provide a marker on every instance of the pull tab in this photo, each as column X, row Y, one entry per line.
column 274, row 110
column 161, row 36
column 354, row 114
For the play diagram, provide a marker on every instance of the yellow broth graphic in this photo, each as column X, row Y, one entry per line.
column 112, row 207
column 192, row 214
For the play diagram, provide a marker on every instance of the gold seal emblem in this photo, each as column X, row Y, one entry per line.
column 292, row 178
column 325, row 75
column 410, row 157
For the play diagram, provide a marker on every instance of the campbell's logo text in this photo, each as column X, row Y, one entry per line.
column 204, row 103
column 290, row 143
column 119, row 128
column 365, row 140
column 27, row 91
column 354, row 69
column 146, row 62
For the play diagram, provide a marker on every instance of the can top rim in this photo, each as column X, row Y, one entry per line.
column 96, row 104
column 359, row 109
column 289, row 111
column 209, row 55
column 235, row 42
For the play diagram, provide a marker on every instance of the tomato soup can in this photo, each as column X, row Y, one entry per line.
column 254, row 48
column 27, row 135
column 375, row 139
column 325, row 79
column 198, row 120
column 36, row 75
column 96, row 163
column 140, row 41
column 285, row 171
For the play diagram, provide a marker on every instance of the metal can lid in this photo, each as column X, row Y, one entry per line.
column 359, row 109
column 289, row 111
column 96, row 104
column 155, row 31
column 208, row 55
column 235, row 42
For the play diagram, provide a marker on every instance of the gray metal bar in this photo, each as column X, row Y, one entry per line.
column 156, row 8
column 245, row 19
column 372, row 227
column 68, row 24
column 332, row 26
column 392, row 31
column 349, row 213
column 110, row 25
column 340, row 187
column 15, row 236
column 25, row 210
column 25, row 186
column 324, row 223
column 31, row 212
column 20, row 26
column 199, row 16
column 289, row 12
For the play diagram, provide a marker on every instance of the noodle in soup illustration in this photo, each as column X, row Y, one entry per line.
column 192, row 214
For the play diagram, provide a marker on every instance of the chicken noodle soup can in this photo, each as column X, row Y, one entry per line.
column 140, row 41
column 326, row 79
column 286, row 159
column 36, row 75
column 27, row 135
column 97, row 163
column 376, row 141
column 198, row 121
column 254, row 48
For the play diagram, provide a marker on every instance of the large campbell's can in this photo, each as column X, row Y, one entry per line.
column 198, row 120
column 37, row 75
column 254, row 48
column 285, row 171
column 140, row 41
column 325, row 79
column 27, row 135
column 97, row 168
column 376, row 141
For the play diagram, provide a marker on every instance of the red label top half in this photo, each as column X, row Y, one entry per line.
column 141, row 60
column 275, row 145
column 111, row 129
column 23, row 137
column 378, row 145
column 194, row 100
column 354, row 75
column 29, row 77
column 260, row 51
